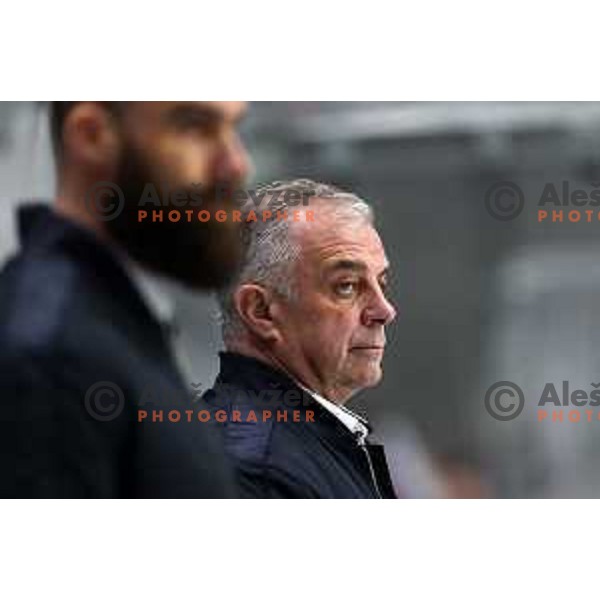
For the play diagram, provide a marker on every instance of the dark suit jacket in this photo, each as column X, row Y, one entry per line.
column 70, row 319
column 298, row 457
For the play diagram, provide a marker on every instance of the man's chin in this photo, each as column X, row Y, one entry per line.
column 202, row 257
column 375, row 379
column 369, row 377
column 206, row 273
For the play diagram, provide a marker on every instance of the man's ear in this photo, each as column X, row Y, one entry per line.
column 90, row 136
column 253, row 304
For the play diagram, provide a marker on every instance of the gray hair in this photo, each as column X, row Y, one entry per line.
column 269, row 250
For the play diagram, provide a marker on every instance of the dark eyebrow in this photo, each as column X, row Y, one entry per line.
column 193, row 114
column 347, row 265
column 354, row 265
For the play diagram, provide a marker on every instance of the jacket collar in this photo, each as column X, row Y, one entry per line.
column 250, row 372
column 40, row 226
column 253, row 373
column 158, row 292
column 43, row 231
column 358, row 426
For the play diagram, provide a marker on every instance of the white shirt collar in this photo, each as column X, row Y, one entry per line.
column 356, row 424
column 157, row 291
column 159, row 294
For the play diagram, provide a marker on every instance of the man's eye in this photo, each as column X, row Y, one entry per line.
column 346, row 289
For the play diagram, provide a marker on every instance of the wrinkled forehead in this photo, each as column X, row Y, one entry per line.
column 331, row 240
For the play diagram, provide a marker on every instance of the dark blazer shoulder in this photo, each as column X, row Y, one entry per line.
column 246, row 440
column 37, row 294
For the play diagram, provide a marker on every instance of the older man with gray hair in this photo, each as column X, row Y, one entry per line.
column 304, row 330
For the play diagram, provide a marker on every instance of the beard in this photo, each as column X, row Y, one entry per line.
column 201, row 255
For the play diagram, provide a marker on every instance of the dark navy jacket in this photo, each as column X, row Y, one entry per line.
column 79, row 351
column 308, row 454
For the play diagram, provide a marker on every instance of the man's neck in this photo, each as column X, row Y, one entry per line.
column 77, row 212
column 72, row 200
column 337, row 396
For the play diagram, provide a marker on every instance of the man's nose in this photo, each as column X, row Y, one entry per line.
column 380, row 310
column 234, row 162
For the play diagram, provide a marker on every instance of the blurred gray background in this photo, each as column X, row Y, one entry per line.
column 480, row 300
